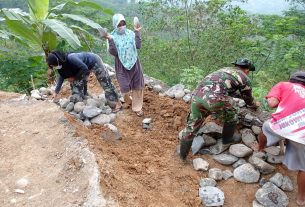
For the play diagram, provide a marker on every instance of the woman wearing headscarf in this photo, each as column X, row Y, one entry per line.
column 75, row 67
column 123, row 45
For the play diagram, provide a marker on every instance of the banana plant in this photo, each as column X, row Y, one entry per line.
column 42, row 27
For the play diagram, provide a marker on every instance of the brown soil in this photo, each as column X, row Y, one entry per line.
column 143, row 168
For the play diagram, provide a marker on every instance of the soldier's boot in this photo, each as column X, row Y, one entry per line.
column 227, row 138
column 86, row 93
column 85, row 89
column 185, row 146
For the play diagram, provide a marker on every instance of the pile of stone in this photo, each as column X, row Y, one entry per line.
column 240, row 162
column 41, row 94
column 176, row 92
column 91, row 110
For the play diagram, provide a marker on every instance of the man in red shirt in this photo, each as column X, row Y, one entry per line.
column 288, row 123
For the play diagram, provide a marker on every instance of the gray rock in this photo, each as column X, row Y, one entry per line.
column 198, row 142
column 211, row 196
column 274, row 159
column 76, row 98
column 187, row 91
column 77, row 116
column 255, row 203
column 70, row 107
column 207, row 182
column 106, row 110
column 277, row 179
column 239, row 162
column 102, row 97
column 115, row 130
column 240, row 150
column 226, row 174
column 249, row 118
column 246, row 173
column 112, row 127
column 79, row 106
column 218, row 148
column 248, row 137
column 81, row 116
column 257, row 130
column 36, row 96
column 257, row 122
column 45, row 91
column 157, row 88
column 225, row 159
column 112, row 117
column 148, row 81
column 200, row 164
column 187, row 98
column 204, row 152
column 44, row 97
column 93, row 102
column 146, row 126
column 261, row 165
column 147, row 121
column 262, row 182
column 240, row 102
column 208, row 140
column 287, row 184
column 179, row 94
column 87, row 123
column 63, row 103
column 101, row 119
column 273, row 150
column 91, row 111
column 179, row 88
column 271, row 196
column 215, row 174
column 260, row 155
column 100, row 102
column 210, row 127
column 35, row 91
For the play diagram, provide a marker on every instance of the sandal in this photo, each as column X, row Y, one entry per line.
column 139, row 113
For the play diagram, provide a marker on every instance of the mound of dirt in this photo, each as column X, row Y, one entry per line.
column 143, row 168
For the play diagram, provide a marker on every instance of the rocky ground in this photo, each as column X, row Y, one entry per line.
column 141, row 169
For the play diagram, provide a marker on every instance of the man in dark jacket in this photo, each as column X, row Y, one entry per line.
column 215, row 95
column 75, row 67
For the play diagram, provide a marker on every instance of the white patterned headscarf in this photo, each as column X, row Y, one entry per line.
column 125, row 43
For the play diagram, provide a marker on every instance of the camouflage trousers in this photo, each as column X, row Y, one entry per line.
column 80, row 86
column 220, row 106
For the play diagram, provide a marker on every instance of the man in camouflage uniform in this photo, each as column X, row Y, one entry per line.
column 215, row 95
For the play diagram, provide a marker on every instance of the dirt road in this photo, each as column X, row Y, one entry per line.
column 38, row 146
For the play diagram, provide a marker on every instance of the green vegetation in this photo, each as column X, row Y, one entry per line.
column 182, row 42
